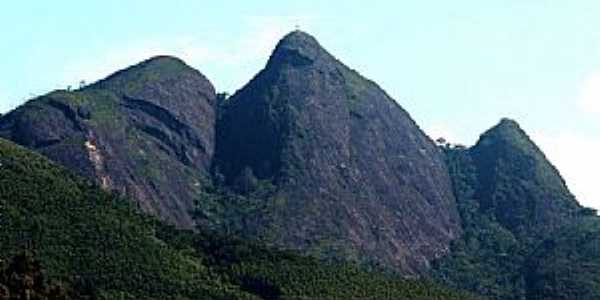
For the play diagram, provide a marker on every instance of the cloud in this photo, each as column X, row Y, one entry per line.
column 576, row 157
column 109, row 61
column 589, row 100
column 265, row 31
column 254, row 44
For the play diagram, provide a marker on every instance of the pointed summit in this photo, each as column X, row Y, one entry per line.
column 518, row 183
column 508, row 131
column 506, row 126
column 508, row 123
column 340, row 152
column 298, row 48
column 299, row 41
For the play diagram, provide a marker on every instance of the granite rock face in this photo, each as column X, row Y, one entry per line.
column 317, row 157
column 146, row 131
column 355, row 176
column 311, row 156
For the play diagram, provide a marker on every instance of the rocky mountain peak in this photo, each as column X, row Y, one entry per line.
column 300, row 41
column 518, row 182
column 157, row 70
column 508, row 123
column 345, row 158
column 298, row 48
column 509, row 139
column 146, row 131
column 507, row 129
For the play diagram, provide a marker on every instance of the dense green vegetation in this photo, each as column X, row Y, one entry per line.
column 308, row 156
column 524, row 235
column 286, row 275
column 24, row 278
column 91, row 244
column 84, row 236
column 488, row 258
column 567, row 265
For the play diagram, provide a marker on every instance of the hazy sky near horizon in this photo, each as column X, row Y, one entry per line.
column 456, row 66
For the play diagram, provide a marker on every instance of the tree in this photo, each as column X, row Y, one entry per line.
column 246, row 182
column 24, row 279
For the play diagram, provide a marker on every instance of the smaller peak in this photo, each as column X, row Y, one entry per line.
column 507, row 131
column 508, row 123
column 161, row 63
column 153, row 68
column 162, row 59
column 507, row 126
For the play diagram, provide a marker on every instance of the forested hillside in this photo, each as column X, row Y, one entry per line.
column 62, row 237
column 526, row 237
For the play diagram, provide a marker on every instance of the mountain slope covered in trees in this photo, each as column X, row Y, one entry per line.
column 308, row 156
column 526, row 237
column 94, row 245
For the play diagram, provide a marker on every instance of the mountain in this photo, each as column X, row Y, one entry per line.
column 63, row 237
column 308, row 155
column 517, row 184
column 517, row 213
column 352, row 172
column 146, row 131
column 309, row 158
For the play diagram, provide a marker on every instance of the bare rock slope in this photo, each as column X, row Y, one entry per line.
column 146, row 131
column 354, row 173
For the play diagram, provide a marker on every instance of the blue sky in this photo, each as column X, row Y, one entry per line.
column 456, row 66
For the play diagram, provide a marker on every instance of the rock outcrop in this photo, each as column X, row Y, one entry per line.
column 146, row 131
column 355, row 176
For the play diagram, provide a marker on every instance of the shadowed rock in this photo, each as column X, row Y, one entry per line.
column 355, row 176
column 146, row 131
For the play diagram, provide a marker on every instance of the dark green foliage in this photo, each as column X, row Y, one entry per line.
column 567, row 265
column 517, row 184
column 348, row 172
column 525, row 236
column 488, row 258
column 286, row 275
column 86, row 236
column 96, row 245
column 24, row 278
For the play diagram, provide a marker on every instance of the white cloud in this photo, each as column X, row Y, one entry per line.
column 95, row 68
column 265, row 31
column 576, row 157
column 256, row 43
column 589, row 100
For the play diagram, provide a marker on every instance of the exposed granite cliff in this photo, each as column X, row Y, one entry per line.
column 146, row 131
column 354, row 174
